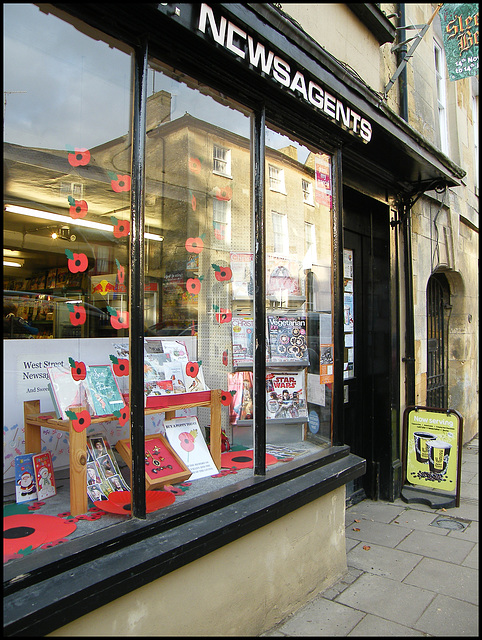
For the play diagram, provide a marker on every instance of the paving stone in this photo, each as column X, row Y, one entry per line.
column 375, row 626
column 447, row 616
column 435, row 546
column 470, row 533
column 383, row 561
column 469, row 490
column 377, row 511
column 472, row 560
column 381, row 596
column 322, row 617
column 421, row 520
column 443, row 577
column 377, row 532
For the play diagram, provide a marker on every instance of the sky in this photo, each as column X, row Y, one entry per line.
column 75, row 91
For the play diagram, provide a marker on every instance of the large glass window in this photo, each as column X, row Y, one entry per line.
column 67, row 219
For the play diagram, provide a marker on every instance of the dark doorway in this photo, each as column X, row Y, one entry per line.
column 367, row 427
column 438, row 309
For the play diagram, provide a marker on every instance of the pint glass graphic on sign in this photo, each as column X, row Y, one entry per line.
column 421, row 440
column 438, row 455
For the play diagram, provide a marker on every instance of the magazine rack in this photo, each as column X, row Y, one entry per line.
column 34, row 421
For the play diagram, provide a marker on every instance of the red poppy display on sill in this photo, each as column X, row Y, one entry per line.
column 242, row 459
column 78, row 314
column 77, row 262
column 77, row 369
column 78, row 208
column 120, row 502
column 78, row 157
column 25, row 532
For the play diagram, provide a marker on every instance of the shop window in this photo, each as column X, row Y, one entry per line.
column 221, row 160
column 67, row 158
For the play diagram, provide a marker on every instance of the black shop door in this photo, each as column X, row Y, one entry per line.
column 367, row 353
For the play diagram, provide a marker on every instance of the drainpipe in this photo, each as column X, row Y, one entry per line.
column 409, row 358
column 403, row 89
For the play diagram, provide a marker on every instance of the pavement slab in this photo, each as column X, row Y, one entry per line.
column 383, row 561
column 447, row 616
column 442, row 577
column 377, row 532
column 387, row 598
column 373, row 626
column 322, row 617
column 435, row 546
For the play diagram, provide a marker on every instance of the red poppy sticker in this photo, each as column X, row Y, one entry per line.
column 223, row 193
column 120, row 366
column 119, row 183
column 222, row 315
column 80, row 420
column 78, row 314
column 193, row 285
column 118, row 319
column 194, row 245
column 122, row 415
column 226, row 397
column 121, row 272
column 222, row 274
column 78, row 157
column 77, row 262
column 121, row 227
column 77, row 369
column 78, row 208
column 194, row 165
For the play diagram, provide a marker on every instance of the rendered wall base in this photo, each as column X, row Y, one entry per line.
column 241, row 589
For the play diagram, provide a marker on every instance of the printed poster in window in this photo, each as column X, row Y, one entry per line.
column 326, row 363
column 283, row 276
column 242, row 275
column 323, row 190
column 287, row 339
column 186, row 438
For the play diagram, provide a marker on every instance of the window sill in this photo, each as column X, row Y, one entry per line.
column 38, row 600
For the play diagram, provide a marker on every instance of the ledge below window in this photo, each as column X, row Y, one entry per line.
column 40, row 600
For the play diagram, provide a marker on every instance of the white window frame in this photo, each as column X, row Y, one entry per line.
column 440, row 83
column 307, row 187
column 222, row 216
column 221, row 160
column 310, row 245
column 276, row 179
column 280, row 233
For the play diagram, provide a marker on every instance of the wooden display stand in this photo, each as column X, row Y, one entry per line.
column 34, row 421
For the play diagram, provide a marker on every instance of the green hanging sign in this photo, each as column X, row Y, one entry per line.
column 460, row 29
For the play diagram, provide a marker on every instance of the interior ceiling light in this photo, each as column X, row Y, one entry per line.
column 12, row 263
column 80, row 222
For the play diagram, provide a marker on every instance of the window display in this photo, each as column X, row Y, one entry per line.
column 68, row 217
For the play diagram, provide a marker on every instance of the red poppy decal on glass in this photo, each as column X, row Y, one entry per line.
column 120, row 366
column 187, row 440
column 226, row 397
column 122, row 415
column 193, row 285
column 192, row 369
column 77, row 369
column 225, row 358
column 78, row 315
column 119, row 182
column 121, row 272
column 78, row 262
column 222, row 315
column 78, row 208
column 194, row 165
column 118, row 319
column 193, row 200
column 78, row 157
column 80, row 420
column 194, row 245
column 121, row 227
column 223, row 274
column 223, row 193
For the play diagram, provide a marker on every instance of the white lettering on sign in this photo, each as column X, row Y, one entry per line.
column 230, row 36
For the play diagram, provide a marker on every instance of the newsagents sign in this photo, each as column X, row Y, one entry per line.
column 261, row 58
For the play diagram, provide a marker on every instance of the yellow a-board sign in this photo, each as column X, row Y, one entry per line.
column 432, row 448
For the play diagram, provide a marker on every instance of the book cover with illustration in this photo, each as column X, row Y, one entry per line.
column 44, row 475
column 66, row 392
column 241, row 406
column 25, row 485
column 242, row 330
column 103, row 393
